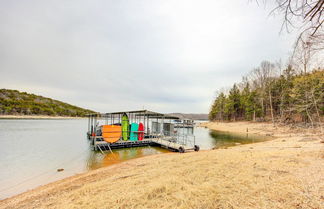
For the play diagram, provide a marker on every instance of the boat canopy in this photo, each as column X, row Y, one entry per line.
column 145, row 113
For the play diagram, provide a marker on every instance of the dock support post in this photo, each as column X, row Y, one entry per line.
column 147, row 126
column 95, row 147
column 89, row 124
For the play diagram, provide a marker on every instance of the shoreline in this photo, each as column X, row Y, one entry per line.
column 80, row 175
column 261, row 128
column 273, row 173
column 37, row 117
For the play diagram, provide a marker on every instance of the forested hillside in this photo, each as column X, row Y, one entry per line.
column 13, row 102
column 268, row 94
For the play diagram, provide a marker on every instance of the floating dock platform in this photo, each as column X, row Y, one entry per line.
column 168, row 143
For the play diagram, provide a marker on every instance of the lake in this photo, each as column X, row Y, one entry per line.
column 32, row 150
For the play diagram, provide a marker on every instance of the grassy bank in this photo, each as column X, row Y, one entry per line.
column 286, row 172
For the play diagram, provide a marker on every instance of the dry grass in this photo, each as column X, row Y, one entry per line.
column 283, row 173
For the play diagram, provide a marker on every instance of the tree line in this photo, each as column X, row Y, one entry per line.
column 268, row 93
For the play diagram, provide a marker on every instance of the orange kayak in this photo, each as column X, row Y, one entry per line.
column 111, row 133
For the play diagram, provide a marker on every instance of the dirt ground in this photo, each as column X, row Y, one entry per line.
column 287, row 172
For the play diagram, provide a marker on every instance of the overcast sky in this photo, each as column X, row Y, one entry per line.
column 166, row 56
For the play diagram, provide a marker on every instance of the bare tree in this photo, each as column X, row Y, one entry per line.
column 261, row 78
column 307, row 16
column 305, row 13
column 268, row 70
column 303, row 55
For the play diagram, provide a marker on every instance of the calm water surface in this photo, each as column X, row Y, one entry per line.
column 31, row 151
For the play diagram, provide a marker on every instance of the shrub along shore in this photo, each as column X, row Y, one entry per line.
column 286, row 172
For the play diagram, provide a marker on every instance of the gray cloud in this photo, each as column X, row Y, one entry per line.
column 169, row 56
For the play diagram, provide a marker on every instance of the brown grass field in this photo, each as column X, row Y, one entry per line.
column 287, row 172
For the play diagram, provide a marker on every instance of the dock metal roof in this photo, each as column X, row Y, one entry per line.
column 146, row 113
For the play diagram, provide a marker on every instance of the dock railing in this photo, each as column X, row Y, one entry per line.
column 187, row 140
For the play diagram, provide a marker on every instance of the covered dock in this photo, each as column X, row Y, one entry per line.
column 158, row 130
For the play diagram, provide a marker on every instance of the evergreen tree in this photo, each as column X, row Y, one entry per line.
column 233, row 107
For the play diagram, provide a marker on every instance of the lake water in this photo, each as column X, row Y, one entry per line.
column 31, row 151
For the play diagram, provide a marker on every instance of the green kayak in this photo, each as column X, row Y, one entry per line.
column 125, row 127
column 134, row 132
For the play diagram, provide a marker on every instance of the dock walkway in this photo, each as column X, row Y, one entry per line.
column 171, row 145
column 165, row 142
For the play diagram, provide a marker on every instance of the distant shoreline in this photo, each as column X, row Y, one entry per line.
column 37, row 117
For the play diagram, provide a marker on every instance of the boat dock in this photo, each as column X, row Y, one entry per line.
column 158, row 130
column 167, row 143
column 174, row 145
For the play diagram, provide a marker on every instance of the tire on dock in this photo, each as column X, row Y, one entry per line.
column 181, row 149
column 197, row 148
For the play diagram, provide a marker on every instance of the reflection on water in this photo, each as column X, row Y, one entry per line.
column 98, row 160
column 208, row 139
column 226, row 139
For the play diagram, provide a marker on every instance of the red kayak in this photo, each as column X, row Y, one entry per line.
column 140, row 131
